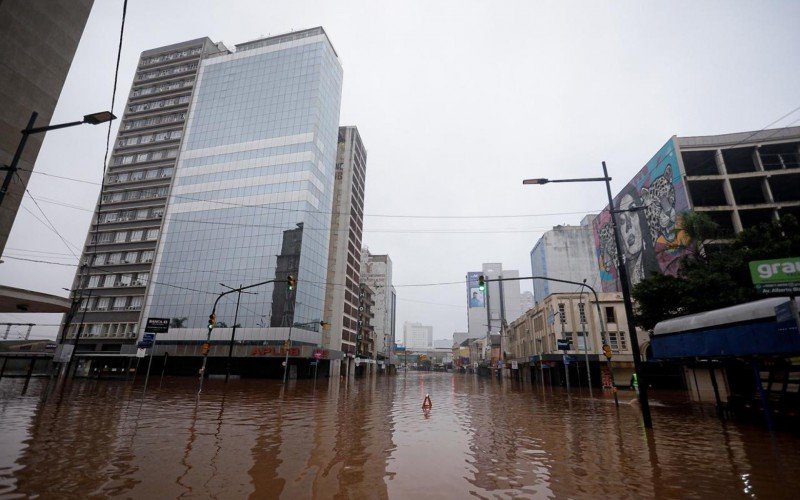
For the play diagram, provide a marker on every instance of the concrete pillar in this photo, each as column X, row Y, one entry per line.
column 351, row 368
column 726, row 186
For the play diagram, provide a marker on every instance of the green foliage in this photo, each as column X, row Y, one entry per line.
column 714, row 275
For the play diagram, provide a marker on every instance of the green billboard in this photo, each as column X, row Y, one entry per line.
column 776, row 276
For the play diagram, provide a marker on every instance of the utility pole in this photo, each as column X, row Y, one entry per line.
column 622, row 273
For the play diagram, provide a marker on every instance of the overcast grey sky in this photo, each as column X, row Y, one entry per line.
column 457, row 101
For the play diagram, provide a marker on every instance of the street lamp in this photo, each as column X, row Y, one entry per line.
column 92, row 119
column 622, row 272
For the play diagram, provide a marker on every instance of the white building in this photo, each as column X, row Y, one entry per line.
column 477, row 312
column 567, row 253
column 376, row 271
column 442, row 344
column 417, row 335
column 527, row 301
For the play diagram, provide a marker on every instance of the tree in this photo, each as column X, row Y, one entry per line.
column 178, row 322
column 713, row 276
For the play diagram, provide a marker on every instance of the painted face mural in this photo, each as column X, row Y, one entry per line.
column 630, row 226
column 652, row 238
column 659, row 202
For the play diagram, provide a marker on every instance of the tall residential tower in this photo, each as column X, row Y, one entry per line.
column 344, row 257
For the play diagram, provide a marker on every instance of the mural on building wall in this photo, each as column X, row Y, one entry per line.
column 650, row 228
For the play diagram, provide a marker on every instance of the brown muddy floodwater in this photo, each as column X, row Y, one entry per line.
column 369, row 438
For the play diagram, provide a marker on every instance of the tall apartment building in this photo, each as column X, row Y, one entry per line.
column 226, row 159
column 567, row 253
column 417, row 336
column 739, row 180
column 120, row 248
column 34, row 70
column 376, row 271
column 484, row 316
column 344, row 256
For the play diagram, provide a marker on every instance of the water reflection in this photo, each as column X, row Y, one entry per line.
column 371, row 438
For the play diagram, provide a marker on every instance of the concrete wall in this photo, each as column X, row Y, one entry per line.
column 39, row 40
column 568, row 253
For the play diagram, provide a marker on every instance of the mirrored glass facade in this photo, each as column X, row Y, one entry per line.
column 252, row 193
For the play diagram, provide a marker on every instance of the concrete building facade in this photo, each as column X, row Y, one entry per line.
column 531, row 341
column 376, row 271
column 567, row 253
column 739, row 180
column 120, row 247
column 34, row 68
column 344, row 255
column 417, row 336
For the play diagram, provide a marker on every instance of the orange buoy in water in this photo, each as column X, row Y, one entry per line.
column 426, row 403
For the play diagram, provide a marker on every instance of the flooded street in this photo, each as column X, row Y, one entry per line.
column 369, row 438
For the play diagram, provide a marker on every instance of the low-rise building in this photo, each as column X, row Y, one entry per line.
column 531, row 342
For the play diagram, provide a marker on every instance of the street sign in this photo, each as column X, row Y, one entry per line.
column 157, row 325
column 147, row 341
column 313, row 363
column 607, row 351
column 776, row 276
column 563, row 344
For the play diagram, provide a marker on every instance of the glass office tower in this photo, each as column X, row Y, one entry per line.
column 252, row 194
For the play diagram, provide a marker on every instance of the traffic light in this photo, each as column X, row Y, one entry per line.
column 205, row 348
column 212, row 321
column 481, row 283
column 291, row 282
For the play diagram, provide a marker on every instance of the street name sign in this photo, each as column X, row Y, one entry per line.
column 776, row 276
column 563, row 345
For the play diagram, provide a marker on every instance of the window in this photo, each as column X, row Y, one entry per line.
column 113, row 258
column 125, row 279
column 147, row 256
column 94, row 281
column 152, row 234
column 137, row 235
column 99, row 259
column 610, row 316
column 142, row 278
column 137, row 176
column 582, row 341
column 136, row 303
column 105, row 238
column 142, row 213
column 120, row 237
column 582, row 312
column 141, row 157
column 562, row 313
column 119, row 303
column 130, row 257
column 152, row 174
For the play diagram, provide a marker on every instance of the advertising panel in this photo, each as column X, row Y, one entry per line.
column 650, row 227
column 475, row 297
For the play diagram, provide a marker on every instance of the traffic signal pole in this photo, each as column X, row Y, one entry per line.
column 212, row 319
